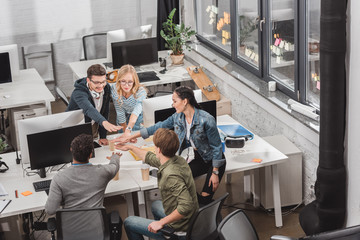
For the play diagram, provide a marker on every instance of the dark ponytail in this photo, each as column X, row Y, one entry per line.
column 187, row 93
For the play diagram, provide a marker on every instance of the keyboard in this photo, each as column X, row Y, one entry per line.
column 42, row 185
column 147, row 76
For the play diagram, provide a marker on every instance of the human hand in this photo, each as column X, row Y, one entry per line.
column 117, row 154
column 214, row 179
column 123, row 147
column 111, row 127
column 103, row 141
column 155, row 226
column 122, row 139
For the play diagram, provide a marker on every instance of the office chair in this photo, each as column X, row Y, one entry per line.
column 237, row 225
column 62, row 95
column 41, row 58
column 94, row 46
column 82, row 224
column 203, row 224
column 350, row 233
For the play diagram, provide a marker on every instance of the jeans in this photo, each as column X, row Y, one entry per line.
column 136, row 227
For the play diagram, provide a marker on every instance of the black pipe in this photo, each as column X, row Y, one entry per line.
column 327, row 211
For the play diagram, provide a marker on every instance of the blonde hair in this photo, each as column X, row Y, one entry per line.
column 125, row 69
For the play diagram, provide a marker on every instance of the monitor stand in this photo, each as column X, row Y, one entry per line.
column 42, row 173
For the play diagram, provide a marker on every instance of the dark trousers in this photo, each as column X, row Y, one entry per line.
column 199, row 167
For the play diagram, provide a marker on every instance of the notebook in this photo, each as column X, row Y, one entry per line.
column 236, row 131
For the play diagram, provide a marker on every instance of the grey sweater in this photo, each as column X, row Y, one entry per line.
column 81, row 186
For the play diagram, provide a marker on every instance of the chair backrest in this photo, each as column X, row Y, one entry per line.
column 62, row 95
column 204, row 223
column 237, row 225
column 81, row 224
column 94, row 46
column 41, row 58
column 350, row 233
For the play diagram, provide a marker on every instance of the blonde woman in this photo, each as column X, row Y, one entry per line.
column 127, row 95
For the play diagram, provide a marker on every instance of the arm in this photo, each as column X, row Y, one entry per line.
column 55, row 197
column 141, row 95
column 185, row 204
column 172, row 217
column 214, row 142
column 141, row 153
column 82, row 100
column 114, row 164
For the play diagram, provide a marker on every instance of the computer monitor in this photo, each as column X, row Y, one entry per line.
column 163, row 114
column 113, row 36
column 135, row 52
column 5, row 71
column 14, row 58
column 126, row 34
column 150, row 105
column 45, row 123
column 51, row 148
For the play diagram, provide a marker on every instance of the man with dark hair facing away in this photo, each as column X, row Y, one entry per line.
column 82, row 185
column 92, row 95
column 176, row 184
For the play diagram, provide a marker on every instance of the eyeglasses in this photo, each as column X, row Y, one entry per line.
column 98, row 83
column 126, row 83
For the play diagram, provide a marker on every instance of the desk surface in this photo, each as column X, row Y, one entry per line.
column 174, row 73
column 26, row 89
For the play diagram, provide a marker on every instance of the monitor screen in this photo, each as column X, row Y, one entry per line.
column 14, row 58
column 163, row 114
column 50, row 148
column 5, row 71
column 136, row 52
column 45, row 123
column 150, row 105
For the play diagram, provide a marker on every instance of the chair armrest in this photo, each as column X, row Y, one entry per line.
column 279, row 237
column 167, row 231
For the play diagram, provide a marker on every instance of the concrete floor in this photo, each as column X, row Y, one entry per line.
column 263, row 220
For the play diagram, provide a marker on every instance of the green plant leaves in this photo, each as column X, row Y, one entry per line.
column 175, row 35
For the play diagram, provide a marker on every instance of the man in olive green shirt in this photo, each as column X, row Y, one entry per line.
column 176, row 184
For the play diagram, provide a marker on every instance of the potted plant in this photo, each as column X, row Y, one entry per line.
column 247, row 26
column 3, row 146
column 175, row 37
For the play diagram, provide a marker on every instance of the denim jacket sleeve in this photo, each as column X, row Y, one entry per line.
column 214, row 142
column 168, row 123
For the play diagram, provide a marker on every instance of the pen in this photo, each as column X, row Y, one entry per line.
column 16, row 194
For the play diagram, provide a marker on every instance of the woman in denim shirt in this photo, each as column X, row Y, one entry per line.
column 196, row 130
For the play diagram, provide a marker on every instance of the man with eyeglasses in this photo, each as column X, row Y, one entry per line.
column 92, row 95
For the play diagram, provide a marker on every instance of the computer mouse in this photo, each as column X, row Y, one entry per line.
column 6, row 96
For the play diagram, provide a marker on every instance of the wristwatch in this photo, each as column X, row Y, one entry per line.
column 129, row 128
column 216, row 172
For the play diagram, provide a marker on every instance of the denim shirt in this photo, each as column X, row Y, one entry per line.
column 203, row 133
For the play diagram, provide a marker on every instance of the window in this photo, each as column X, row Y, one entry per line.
column 214, row 23
column 274, row 39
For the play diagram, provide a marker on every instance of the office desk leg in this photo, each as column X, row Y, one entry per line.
column 228, row 178
column 48, row 106
column 276, row 195
column 130, row 204
column 142, row 207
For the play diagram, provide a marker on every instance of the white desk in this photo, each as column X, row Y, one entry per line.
column 26, row 89
column 13, row 180
column 238, row 160
column 172, row 75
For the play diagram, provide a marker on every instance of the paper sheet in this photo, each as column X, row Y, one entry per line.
column 3, row 192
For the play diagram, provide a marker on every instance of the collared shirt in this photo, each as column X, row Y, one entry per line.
column 177, row 188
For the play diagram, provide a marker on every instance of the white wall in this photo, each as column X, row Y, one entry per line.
column 353, row 114
column 65, row 22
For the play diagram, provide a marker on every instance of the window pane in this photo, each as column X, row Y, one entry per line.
column 213, row 22
column 282, row 42
column 313, row 52
column 248, row 39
